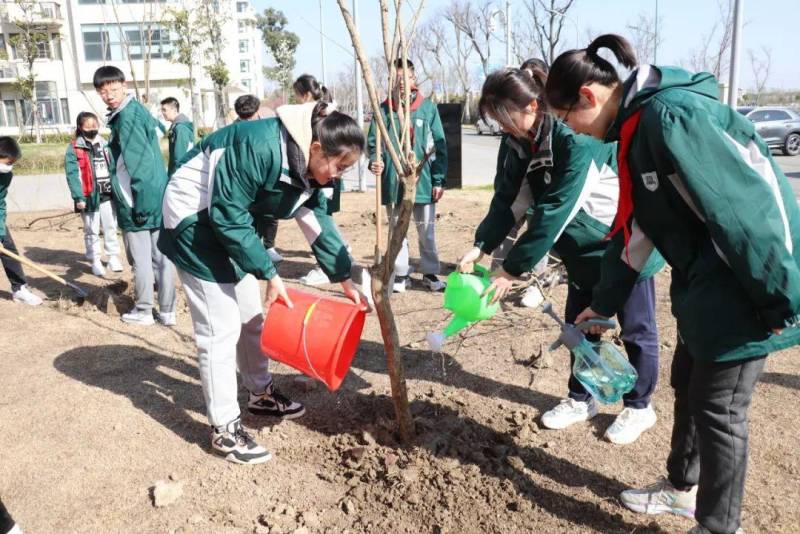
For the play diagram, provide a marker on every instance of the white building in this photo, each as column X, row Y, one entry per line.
column 86, row 34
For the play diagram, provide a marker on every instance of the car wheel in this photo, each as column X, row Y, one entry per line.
column 480, row 132
column 791, row 146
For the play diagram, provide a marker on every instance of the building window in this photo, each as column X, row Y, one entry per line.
column 241, row 7
column 244, row 65
column 46, row 103
column 11, row 113
column 107, row 42
column 65, row 116
column 3, row 51
column 56, row 46
column 242, row 26
column 246, row 84
column 244, row 46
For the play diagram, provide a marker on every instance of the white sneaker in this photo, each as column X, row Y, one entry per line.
column 167, row 318
column 700, row 529
column 568, row 412
column 532, row 297
column 659, row 498
column 24, row 296
column 138, row 317
column 432, row 282
column 97, row 268
column 114, row 264
column 274, row 255
column 315, row 277
column 234, row 443
column 400, row 284
column 629, row 425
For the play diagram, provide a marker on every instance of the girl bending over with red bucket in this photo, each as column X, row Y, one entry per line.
column 267, row 167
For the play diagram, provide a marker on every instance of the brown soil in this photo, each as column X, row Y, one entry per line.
column 94, row 412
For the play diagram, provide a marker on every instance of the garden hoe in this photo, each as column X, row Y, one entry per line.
column 80, row 293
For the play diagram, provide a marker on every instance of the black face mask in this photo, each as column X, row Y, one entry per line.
column 90, row 134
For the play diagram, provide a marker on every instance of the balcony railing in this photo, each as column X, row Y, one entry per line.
column 41, row 12
column 8, row 71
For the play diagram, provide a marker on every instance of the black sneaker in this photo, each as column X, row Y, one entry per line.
column 236, row 445
column 432, row 282
column 273, row 403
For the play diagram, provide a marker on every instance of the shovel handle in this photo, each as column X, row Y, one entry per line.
column 36, row 267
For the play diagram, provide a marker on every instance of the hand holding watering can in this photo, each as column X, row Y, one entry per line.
column 501, row 283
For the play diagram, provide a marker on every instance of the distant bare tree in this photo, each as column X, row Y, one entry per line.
column 761, row 67
column 714, row 50
column 646, row 36
column 428, row 50
column 547, row 22
column 459, row 53
column 474, row 19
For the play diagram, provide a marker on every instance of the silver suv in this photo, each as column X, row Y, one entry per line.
column 779, row 127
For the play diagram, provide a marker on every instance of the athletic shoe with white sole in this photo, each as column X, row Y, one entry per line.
column 315, row 277
column 115, row 264
column 532, row 297
column 23, row 295
column 568, row 412
column 432, row 282
column 234, row 443
column 400, row 284
column 629, row 425
column 97, row 268
column 660, row 498
column 167, row 318
column 274, row 255
column 700, row 529
column 139, row 317
column 274, row 403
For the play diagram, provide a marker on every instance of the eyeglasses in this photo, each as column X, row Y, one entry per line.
column 565, row 118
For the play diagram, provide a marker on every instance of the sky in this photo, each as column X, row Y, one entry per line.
column 770, row 24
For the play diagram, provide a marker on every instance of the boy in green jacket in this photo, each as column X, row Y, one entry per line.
column 698, row 184
column 138, row 184
column 426, row 135
column 9, row 154
column 180, row 133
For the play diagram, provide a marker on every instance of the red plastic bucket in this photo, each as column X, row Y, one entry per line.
column 318, row 337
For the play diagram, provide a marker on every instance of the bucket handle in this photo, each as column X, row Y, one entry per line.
column 306, row 318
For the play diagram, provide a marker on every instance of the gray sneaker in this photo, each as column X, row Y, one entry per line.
column 700, row 529
column 659, row 498
column 236, row 445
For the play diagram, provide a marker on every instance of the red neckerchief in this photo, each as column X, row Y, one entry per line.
column 625, row 204
column 85, row 167
column 416, row 102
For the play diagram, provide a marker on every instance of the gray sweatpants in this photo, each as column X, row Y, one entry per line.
column 150, row 267
column 425, row 218
column 227, row 321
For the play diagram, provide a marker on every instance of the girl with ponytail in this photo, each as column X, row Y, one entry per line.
column 270, row 167
column 697, row 183
column 566, row 186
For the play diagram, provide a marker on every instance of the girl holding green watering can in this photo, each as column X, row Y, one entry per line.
column 568, row 184
column 698, row 184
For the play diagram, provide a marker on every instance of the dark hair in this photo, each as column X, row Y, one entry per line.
column 576, row 68
column 398, row 64
column 9, row 148
column 511, row 89
column 171, row 101
column 308, row 84
column 83, row 116
column 107, row 74
column 246, row 106
column 336, row 132
column 533, row 64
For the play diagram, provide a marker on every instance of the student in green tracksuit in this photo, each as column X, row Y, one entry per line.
column 567, row 183
column 698, row 184
column 180, row 133
column 138, row 184
column 88, row 166
column 9, row 154
column 247, row 170
column 426, row 135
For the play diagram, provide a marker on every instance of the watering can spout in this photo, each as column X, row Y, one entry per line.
column 456, row 325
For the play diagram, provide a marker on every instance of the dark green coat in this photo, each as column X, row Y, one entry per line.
column 428, row 134
column 5, row 183
column 74, row 175
column 181, row 140
column 140, row 176
column 568, row 190
column 708, row 195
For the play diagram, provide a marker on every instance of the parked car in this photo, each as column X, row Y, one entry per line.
column 488, row 126
column 744, row 110
column 780, row 128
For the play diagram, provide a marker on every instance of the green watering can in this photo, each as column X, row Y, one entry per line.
column 463, row 297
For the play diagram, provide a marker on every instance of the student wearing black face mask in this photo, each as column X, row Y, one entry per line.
column 88, row 168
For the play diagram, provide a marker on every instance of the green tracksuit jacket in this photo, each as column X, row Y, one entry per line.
column 140, row 176
column 181, row 140
column 246, row 170
column 568, row 187
column 428, row 134
column 5, row 183
column 709, row 197
column 73, row 173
